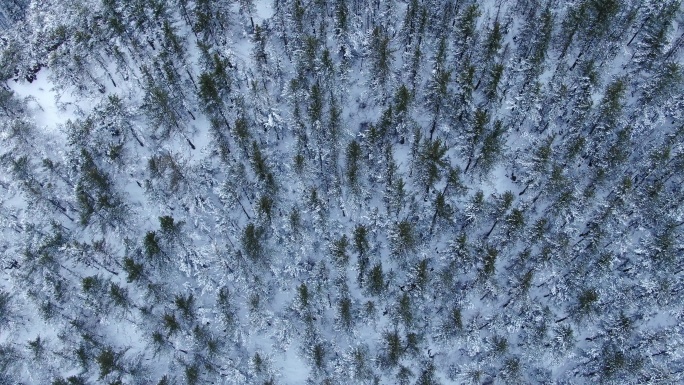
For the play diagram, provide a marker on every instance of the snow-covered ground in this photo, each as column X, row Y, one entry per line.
column 279, row 222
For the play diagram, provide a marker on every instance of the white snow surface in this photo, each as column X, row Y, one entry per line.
column 215, row 206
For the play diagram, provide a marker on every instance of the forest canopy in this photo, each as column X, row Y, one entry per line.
column 341, row 192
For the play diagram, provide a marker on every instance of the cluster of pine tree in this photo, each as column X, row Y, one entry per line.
column 342, row 192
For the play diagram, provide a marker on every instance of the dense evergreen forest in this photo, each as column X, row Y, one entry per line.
column 341, row 192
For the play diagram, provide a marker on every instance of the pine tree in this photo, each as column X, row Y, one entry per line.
column 108, row 362
column 380, row 55
column 431, row 161
column 252, row 242
column 376, row 280
column 353, row 165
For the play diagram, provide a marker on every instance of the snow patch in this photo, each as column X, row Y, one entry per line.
column 49, row 108
column 264, row 9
